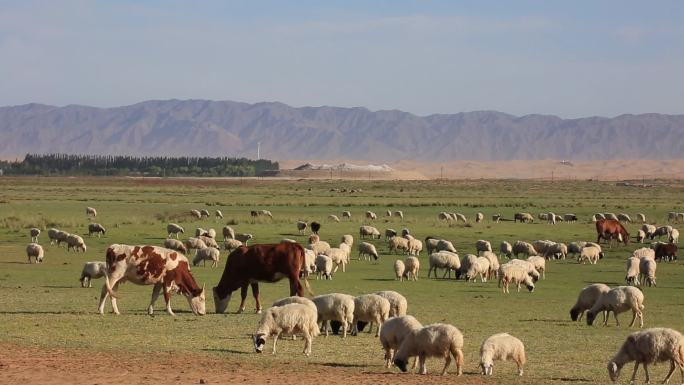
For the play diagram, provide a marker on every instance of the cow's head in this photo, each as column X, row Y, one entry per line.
column 197, row 302
column 221, row 304
column 259, row 342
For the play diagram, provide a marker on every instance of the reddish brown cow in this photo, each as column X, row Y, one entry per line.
column 666, row 251
column 151, row 265
column 611, row 229
column 249, row 265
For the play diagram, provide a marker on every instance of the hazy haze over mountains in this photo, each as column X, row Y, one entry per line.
column 224, row 128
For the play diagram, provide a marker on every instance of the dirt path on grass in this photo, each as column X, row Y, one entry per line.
column 30, row 365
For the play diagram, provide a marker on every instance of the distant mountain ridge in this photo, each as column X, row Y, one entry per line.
column 225, row 128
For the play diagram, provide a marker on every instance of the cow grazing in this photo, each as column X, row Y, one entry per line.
column 666, row 252
column 248, row 265
column 151, row 265
column 611, row 229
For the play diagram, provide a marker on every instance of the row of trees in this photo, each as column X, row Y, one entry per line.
column 65, row 164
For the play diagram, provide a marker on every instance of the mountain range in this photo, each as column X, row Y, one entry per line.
column 234, row 129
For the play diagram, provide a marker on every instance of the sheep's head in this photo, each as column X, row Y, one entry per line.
column 220, row 304
column 613, row 371
column 590, row 317
column 601, row 255
column 360, row 325
column 400, row 364
column 530, row 286
column 259, row 342
column 574, row 313
column 487, row 368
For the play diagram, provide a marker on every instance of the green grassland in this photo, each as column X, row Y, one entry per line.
column 43, row 305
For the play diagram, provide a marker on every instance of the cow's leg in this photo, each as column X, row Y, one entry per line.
column 114, row 281
column 243, row 297
column 155, row 294
column 167, row 299
column 255, row 294
column 296, row 286
column 115, row 308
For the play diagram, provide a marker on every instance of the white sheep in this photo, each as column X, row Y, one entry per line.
column 207, row 254
column 482, row 245
column 174, row 229
column 589, row 254
column 35, row 232
column 199, row 231
column 576, row 247
column 324, row 267
column 75, row 243
column 196, row 214
column 493, row 264
column 370, row 308
column 309, row 263
column 539, row 264
column 647, row 271
column 175, row 244
column 346, row 214
column 194, row 243
column 389, row 233
column 644, row 252
column 348, row 239
column 393, row 332
column 204, row 213
column 479, row 267
column 228, row 233
column 301, row 226
column 479, row 217
column 570, row 218
column 62, row 237
column 371, row 231
column 641, row 217
column 333, row 218
column 506, row 249
column 556, row 250
column 347, row 249
column 367, row 250
column 388, row 213
column 52, row 235
column 231, row 244
column 622, row 217
column 338, row 256
column 460, row 217
column 444, row 260
column 415, row 246
column 436, row 340
column 551, row 218
column 641, row 236
column 444, row 216
column 320, row 247
column 649, row 347
column 586, row 300
column 515, row 274
column 399, row 269
column 632, row 271
column 521, row 247
column 36, row 251
column 619, row 300
column 528, row 266
column 610, row 216
column 289, row 319
column 662, row 231
column 674, row 236
column 412, row 267
column 444, row 245
column 335, row 307
column 295, row 299
column 399, row 214
column 597, row 217
column 209, row 241
column 91, row 212
column 218, row 214
column 92, row 270
column 502, row 346
column 649, row 230
column 398, row 303
column 371, row 215
column 396, row 244
column 244, row 237
column 211, row 233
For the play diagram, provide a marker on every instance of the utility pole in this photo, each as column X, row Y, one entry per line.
column 258, row 150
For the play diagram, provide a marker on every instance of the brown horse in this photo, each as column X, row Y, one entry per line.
column 611, row 229
column 247, row 266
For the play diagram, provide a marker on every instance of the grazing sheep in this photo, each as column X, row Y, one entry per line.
column 539, row 264
column 590, row 254
column 397, row 244
column 36, row 251
column 218, row 214
column 399, row 214
column 96, row 228
column 444, row 245
column 389, row 233
column 371, row 231
column 576, row 247
column 444, row 260
column 641, row 236
column 175, row 244
column 194, row 243
column 527, row 266
column 309, row 263
column 62, row 236
column 207, row 254
column 641, row 218
column 632, row 271
column 619, row 300
column 431, row 244
column 479, row 217
column 244, row 237
column 196, row 214
column 324, row 267
column 228, row 233
column 649, row 230
column 622, row 217
column 516, row 274
column 496, row 218
column 231, row 244
column 644, row 252
column 647, row 270
column 320, row 247
column 586, row 300
column 301, row 226
column 35, row 232
column 199, row 232
column 482, row 245
column 493, row 264
column 461, row 217
column 436, row 340
column 399, row 269
column 662, row 231
column 174, row 229
column 557, row 250
column 398, row 303
column 466, row 264
column 597, row 217
column 522, row 247
column 75, row 243
column 393, row 332
column 211, row 233
column 480, row 267
column 506, row 249
column 348, row 239
column 335, row 307
column 543, row 216
column 412, row 267
column 388, row 213
column 92, row 270
column 261, row 213
column 370, row 308
column 444, row 216
column 346, row 214
column 204, row 213
column 371, row 215
column 570, row 218
column 315, row 227
column 541, row 246
column 650, row 346
column 367, row 250
column 502, row 346
column 523, row 218
column 91, row 212
column 415, row 246
column 52, row 235
column 289, row 319
column 347, row 249
column 674, row 236
column 552, row 218
column 338, row 256
column 333, row 218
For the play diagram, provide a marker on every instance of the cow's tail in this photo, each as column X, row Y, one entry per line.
column 307, row 287
column 302, row 256
column 109, row 261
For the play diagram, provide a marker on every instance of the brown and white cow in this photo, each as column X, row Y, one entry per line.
column 151, row 265
column 247, row 266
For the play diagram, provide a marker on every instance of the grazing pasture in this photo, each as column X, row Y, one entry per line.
column 43, row 305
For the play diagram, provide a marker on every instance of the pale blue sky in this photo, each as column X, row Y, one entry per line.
column 569, row 58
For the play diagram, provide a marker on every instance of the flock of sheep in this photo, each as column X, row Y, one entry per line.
column 402, row 336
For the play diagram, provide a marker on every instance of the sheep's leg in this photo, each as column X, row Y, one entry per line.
column 307, row 343
column 255, row 293
column 458, row 357
column 275, row 342
column 520, row 367
column 617, row 322
column 605, row 317
column 648, row 378
column 155, row 294
column 634, row 317
column 415, row 363
column 636, row 366
column 671, row 372
column 447, row 361
column 388, row 358
column 421, row 360
column 345, row 327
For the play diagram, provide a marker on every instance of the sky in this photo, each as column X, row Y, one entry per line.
column 567, row 58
